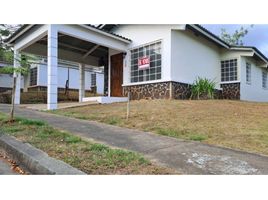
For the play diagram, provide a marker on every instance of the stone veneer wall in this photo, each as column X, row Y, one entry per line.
column 180, row 90
column 162, row 90
column 231, row 91
column 159, row 90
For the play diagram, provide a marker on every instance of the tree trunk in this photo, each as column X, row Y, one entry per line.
column 13, row 99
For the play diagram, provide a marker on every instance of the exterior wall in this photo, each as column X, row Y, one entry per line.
column 6, row 81
column 180, row 90
column 231, row 91
column 254, row 90
column 144, row 34
column 73, row 78
column 193, row 56
column 160, row 90
column 100, row 83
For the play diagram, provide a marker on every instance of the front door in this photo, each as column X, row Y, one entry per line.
column 117, row 75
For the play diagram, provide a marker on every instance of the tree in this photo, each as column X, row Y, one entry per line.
column 7, row 55
column 236, row 38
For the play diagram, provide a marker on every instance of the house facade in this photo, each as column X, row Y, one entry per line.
column 147, row 61
column 185, row 53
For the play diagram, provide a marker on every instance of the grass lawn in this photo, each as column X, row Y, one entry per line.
column 92, row 158
column 235, row 124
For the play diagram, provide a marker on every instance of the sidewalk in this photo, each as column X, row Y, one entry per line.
column 187, row 157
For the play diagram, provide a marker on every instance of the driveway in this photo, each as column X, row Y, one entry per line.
column 186, row 157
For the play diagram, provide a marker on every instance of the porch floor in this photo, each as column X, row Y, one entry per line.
column 42, row 107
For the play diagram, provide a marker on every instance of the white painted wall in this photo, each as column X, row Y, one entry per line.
column 253, row 91
column 6, row 81
column 73, row 80
column 100, row 83
column 143, row 34
column 193, row 56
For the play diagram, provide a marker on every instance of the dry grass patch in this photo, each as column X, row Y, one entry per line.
column 235, row 124
column 89, row 157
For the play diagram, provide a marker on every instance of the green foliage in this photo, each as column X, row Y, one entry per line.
column 113, row 120
column 72, row 139
column 236, row 38
column 203, row 88
column 98, row 147
column 7, row 55
column 25, row 121
column 198, row 137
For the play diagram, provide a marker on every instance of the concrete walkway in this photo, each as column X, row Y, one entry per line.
column 185, row 156
column 43, row 107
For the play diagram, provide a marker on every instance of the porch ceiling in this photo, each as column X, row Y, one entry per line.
column 72, row 49
column 79, row 46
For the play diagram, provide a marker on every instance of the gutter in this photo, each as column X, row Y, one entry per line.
column 209, row 35
column 104, row 33
column 255, row 51
column 20, row 32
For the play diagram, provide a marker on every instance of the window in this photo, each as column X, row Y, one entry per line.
column 264, row 79
column 33, row 76
column 93, row 80
column 153, row 72
column 248, row 73
column 229, row 70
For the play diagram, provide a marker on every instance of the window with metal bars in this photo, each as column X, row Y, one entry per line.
column 229, row 70
column 153, row 52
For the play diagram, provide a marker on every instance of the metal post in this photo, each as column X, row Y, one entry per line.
column 128, row 104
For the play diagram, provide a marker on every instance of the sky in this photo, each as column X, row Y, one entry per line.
column 257, row 35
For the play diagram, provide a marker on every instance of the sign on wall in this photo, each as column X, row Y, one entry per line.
column 144, row 62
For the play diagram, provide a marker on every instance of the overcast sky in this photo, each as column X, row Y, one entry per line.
column 257, row 35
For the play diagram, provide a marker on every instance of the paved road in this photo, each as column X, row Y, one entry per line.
column 186, row 157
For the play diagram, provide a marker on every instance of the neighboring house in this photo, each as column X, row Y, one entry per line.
column 37, row 77
column 68, row 75
column 6, row 80
column 149, row 61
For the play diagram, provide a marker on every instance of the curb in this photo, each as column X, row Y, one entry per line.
column 35, row 160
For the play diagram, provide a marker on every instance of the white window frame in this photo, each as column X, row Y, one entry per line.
column 248, row 73
column 161, row 69
column 229, row 81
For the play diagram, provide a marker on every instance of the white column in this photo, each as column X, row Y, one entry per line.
column 18, row 75
column 109, row 74
column 52, row 65
column 81, row 82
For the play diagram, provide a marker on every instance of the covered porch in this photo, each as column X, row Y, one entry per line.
column 83, row 44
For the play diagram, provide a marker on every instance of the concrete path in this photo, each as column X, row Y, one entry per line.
column 184, row 156
column 42, row 107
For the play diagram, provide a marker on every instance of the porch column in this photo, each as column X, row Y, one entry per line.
column 109, row 74
column 81, row 82
column 52, row 67
column 18, row 75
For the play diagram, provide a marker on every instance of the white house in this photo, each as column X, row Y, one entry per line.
column 149, row 61
column 68, row 76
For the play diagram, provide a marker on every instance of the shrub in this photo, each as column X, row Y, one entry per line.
column 203, row 88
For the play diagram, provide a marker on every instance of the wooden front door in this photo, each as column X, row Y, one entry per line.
column 117, row 75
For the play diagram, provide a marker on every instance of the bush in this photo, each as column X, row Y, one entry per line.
column 203, row 88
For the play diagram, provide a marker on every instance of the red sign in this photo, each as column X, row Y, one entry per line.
column 144, row 62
